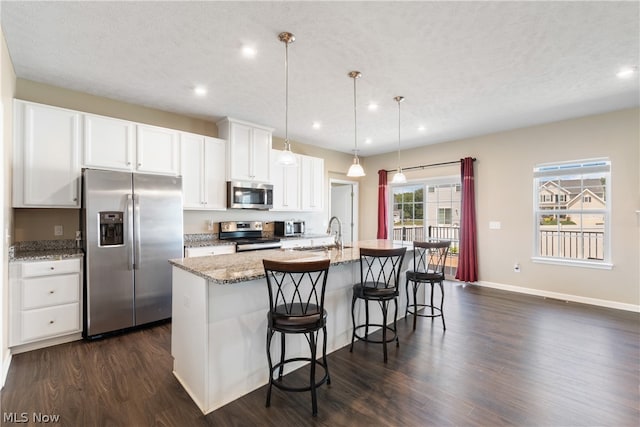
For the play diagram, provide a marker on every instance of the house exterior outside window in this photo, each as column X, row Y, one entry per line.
column 571, row 213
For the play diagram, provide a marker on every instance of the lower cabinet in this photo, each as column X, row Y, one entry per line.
column 209, row 250
column 44, row 302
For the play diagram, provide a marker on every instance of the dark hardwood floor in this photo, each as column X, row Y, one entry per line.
column 505, row 359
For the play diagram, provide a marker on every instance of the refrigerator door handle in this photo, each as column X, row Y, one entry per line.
column 130, row 261
column 136, row 204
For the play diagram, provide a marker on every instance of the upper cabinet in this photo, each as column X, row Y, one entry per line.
column 157, row 150
column 286, row 184
column 46, row 156
column 312, row 183
column 203, row 172
column 109, row 143
column 248, row 150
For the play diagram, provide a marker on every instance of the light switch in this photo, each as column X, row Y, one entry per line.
column 57, row 230
column 494, row 225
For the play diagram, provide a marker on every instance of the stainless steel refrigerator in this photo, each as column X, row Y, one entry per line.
column 132, row 224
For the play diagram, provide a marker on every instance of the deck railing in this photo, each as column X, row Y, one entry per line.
column 553, row 243
column 572, row 244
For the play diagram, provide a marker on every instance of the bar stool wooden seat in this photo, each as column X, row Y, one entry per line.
column 296, row 306
column 429, row 259
column 379, row 280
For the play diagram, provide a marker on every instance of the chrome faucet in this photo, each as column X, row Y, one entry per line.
column 338, row 239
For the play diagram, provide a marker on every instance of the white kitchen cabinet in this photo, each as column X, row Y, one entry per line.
column 312, row 183
column 203, row 172
column 209, row 250
column 46, row 167
column 109, row 143
column 248, row 150
column 157, row 150
column 286, row 184
column 44, row 303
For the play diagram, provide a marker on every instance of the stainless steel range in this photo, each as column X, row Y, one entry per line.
column 247, row 235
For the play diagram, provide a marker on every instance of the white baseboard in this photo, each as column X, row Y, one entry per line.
column 5, row 369
column 563, row 297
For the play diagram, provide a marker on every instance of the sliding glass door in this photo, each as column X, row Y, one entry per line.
column 428, row 210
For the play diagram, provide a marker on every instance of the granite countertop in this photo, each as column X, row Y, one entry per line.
column 209, row 239
column 44, row 250
column 245, row 266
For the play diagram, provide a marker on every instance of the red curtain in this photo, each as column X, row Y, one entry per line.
column 467, row 260
column 382, row 205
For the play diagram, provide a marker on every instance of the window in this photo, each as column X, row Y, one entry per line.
column 572, row 212
column 408, row 212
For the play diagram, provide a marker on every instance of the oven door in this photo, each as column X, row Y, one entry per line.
column 247, row 195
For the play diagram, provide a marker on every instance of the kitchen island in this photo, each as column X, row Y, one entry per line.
column 219, row 318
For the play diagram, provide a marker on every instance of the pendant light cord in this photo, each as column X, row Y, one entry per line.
column 355, row 117
column 286, row 99
column 399, row 169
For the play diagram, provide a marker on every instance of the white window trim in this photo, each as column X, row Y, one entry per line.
column 554, row 169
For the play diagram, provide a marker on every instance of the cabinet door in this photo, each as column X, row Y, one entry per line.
column 47, row 157
column 240, row 152
column 108, row 143
column 312, row 170
column 260, row 155
column 157, row 150
column 286, row 184
column 192, row 147
column 215, row 184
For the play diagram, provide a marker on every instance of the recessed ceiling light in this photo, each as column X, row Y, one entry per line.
column 200, row 90
column 368, row 141
column 626, row 72
column 422, row 128
column 249, row 51
column 316, row 125
column 373, row 106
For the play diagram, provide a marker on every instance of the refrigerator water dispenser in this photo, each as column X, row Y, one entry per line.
column 111, row 228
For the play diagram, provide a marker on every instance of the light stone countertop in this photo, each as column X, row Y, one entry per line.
column 245, row 266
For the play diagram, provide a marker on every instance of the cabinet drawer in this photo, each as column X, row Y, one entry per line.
column 48, row 322
column 48, row 268
column 209, row 250
column 46, row 291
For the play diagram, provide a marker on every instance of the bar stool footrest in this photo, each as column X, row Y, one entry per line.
column 437, row 313
column 375, row 341
column 278, row 382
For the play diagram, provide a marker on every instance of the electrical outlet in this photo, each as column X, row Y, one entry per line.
column 57, row 230
column 516, row 268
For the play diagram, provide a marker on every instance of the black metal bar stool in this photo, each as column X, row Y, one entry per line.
column 296, row 306
column 428, row 267
column 379, row 280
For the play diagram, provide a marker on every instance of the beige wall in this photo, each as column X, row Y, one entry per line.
column 7, row 90
column 504, row 192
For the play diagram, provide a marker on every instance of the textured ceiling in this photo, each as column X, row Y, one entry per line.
column 464, row 68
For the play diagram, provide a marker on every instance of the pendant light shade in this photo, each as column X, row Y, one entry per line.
column 399, row 177
column 355, row 170
column 286, row 157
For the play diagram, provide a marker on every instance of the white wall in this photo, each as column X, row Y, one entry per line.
column 504, row 192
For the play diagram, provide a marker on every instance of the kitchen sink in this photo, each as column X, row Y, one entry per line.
column 318, row 248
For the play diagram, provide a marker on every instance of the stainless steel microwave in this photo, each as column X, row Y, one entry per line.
column 249, row 195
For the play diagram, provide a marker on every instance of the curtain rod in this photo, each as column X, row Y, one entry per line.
column 428, row 166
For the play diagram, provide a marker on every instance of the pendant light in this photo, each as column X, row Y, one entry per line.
column 399, row 177
column 286, row 157
column 355, row 170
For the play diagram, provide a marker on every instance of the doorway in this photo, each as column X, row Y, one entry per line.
column 343, row 203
